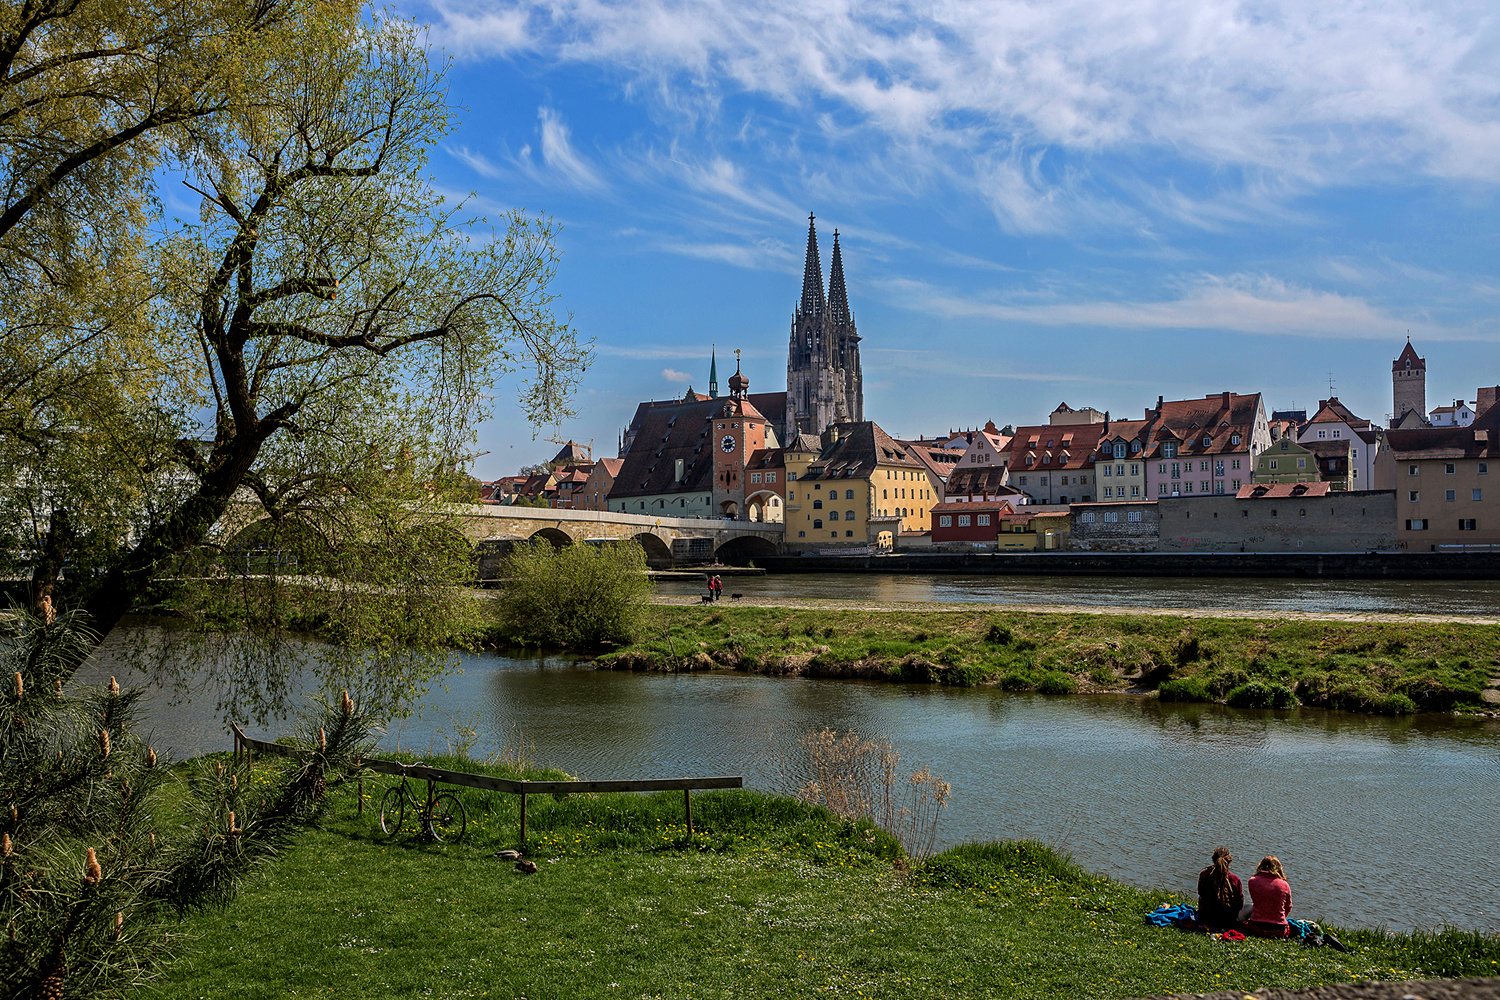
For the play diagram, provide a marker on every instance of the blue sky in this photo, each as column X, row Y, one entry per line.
column 1038, row 201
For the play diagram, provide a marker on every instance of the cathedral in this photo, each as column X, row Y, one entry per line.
column 823, row 381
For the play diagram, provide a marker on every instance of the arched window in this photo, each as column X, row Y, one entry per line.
column 885, row 494
column 848, row 534
column 833, row 515
column 848, row 515
column 818, row 523
column 817, row 505
column 848, row 494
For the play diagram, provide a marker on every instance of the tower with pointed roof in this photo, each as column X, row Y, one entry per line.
column 713, row 373
column 1408, row 386
column 824, row 385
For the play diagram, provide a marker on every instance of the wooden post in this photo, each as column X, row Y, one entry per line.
column 687, row 804
column 361, row 800
column 523, row 819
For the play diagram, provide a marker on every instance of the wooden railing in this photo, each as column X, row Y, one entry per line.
column 245, row 747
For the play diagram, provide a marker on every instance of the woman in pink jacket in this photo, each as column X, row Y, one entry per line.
column 1272, row 900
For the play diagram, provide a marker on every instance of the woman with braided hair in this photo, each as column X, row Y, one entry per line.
column 1220, row 897
column 1272, row 897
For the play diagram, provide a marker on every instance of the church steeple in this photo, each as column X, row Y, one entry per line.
column 812, row 273
column 838, row 298
column 713, row 375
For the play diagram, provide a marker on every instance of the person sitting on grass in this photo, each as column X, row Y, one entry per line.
column 1220, row 896
column 1272, row 898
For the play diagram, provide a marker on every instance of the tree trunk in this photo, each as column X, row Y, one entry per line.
column 49, row 563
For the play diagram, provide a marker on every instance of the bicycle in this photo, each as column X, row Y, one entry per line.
column 443, row 816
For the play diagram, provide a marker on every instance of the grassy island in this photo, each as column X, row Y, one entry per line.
column 1385, row 667
column 770, row 897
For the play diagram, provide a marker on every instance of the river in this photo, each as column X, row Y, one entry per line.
column 1441, row 597
column 1379, row 822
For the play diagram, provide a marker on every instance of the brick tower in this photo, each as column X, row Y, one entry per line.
column 1408, row 385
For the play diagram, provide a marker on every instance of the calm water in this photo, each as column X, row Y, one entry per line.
column 1479, row 597
column 1378, row 822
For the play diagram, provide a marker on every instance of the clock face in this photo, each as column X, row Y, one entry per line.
column 727, row 444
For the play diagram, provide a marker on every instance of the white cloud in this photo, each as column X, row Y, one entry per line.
column 1239, row 303
column 1316, row 91
column 475, row 161
column 559, row 154
column 673, row 375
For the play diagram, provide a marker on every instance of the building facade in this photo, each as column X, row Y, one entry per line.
column 1333, row 423
column 1055, row 464
column 1408, row 387
column 1287, row 517
column 824, row 384
column 968, row 525
column 861, row 489
column 1442, row 481
column 1204, row 446
column 1119, row 465
column 1114, row 526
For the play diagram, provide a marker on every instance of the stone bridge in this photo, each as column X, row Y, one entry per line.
column 492, row 529
column 667, row 540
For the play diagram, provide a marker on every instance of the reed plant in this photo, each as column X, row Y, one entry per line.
column 857, row 777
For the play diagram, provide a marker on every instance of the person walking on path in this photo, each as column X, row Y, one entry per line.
column 716, row 587
column 1272, row 897
column 1220, row 895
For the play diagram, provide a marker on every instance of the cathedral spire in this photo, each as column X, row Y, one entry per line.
column 812, row 273
column 713, row 374
column 838, row 298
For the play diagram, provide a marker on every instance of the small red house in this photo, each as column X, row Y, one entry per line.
column 968, row 521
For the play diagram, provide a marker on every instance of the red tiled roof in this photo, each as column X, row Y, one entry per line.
column 1257, row 491
column 1068, row 446
column 1408, row 354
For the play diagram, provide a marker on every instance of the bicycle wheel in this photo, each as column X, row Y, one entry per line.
column 448, row 818
column 392, row 805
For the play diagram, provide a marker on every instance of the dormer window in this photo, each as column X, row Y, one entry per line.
column 1207, row 441
column 1169, row 449
column 1234, row 439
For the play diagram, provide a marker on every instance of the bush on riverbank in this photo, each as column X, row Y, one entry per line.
column 581, row 596
column 770, row 897
column 1354, row 666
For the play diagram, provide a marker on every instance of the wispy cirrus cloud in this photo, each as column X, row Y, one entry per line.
column 560, row 156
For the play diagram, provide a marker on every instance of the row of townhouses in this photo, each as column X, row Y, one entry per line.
column 1217, row 473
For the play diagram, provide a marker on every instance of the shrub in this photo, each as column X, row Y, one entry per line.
column 578, row 595
column 1188, row 651
column 1184, row 689
column 1257, row 694
column 1395, row 704
column 998, row 635
column 1057, row 682
column 1015, row 681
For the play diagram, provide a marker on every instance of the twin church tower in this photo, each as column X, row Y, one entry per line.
column 824, row 385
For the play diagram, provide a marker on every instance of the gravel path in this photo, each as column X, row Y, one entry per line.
column 804, row 604
column 1427, row 989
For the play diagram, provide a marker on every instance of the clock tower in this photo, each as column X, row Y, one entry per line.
column 736, row 430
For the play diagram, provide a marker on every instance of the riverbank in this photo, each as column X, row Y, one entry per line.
column 768, row 898
column 1389, row 665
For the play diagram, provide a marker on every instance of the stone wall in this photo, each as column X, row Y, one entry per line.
column 1363, row 521
column 1107, row 527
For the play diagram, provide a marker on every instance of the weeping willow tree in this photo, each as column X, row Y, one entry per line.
column 317, row 348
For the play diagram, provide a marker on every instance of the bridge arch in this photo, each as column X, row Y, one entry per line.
column 742, row 549
column 266, row 546
column 658, row 552
column 764, row 507
column 556, row 536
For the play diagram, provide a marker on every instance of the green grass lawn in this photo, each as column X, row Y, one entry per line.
column 769, row 898
column 1358, row 666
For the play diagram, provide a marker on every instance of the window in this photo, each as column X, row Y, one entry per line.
column 1107, row 470
column 1450, row 495
column 963, row 520
column 1413, row 496
column 1234, row 464
column 817, row 505
column 1088, row 517
column 1161, row 468
column 1207, row 441
column 1119, row 449
column 1161, row 488
column 945, row 521
column 982, row 519
column 848, row 534
column 770, row 477
column 1111, row 517
column 848, row 515
column 1135, row 470
column 801, row 534
column 848, row 494
column 1135, row 491
column 1302, row 512
column 1411, row 470
column 1023, row 480
column 790, row 476
column 755, row 477
column 1484, row 468
column 1219, row 467
column 1109, row 491
column 1234, row 439
column 1176, row 471
column 1236, row 484
column 817, row 486
column 1466, row 524
column 1322, row 433
column 885, row 494
column 818, row 523
column 1448, row 468
column 1187, row 487
column 833, row 515
column 1133, row 516
column 1044, row 480
column 1169, row 450
column 1301, row 463
column 1416, row 524
column 1119, row 470
column 1203, row 486
column 1273, row 463
column 1478, row 494
column 1335, row 433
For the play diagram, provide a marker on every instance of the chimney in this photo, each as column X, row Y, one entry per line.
column 1486, row 398
column 1226, row 400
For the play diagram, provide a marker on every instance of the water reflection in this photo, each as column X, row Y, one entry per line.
column 1478, row 597
column 1140, row 790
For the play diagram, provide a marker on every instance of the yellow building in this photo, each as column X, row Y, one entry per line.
column 855, row 487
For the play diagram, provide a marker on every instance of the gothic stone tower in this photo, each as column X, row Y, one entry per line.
column 823, row 381
column 1408, row 385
